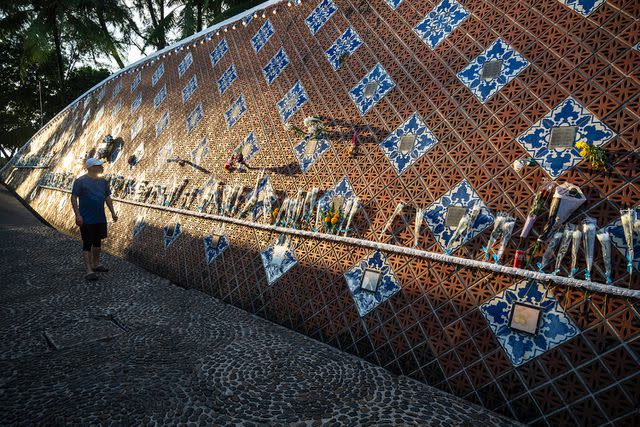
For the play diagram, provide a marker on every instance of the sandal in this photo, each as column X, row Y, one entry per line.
column 100, row 269
column 91, row 276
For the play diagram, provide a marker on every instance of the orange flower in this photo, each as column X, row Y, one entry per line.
column 334, row 220
column 275, row 212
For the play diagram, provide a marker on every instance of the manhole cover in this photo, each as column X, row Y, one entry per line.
column 82, row 331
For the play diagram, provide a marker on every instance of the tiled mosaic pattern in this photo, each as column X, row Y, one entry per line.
column 320, row 15
column 226, row 79
column 189, row 88
column 440, row 22
column 262, row 36
column 431, row 330
column 343, row 47
column 583, row 7
column 292, row 101
column 408, row 143
column 235, row 112
column 185, row 64
column 194, row 118
column 277, row 259
column 200, row 151
column 371, row 89
column 170, row 233
column 218, row 52
column 275, row 66
column 309, row 150
column 214, row 247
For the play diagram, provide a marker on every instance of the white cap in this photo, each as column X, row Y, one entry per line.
column 92, row 161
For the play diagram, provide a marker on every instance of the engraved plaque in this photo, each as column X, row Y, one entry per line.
column 406, row 143
column 524, row 318
column 215, row 240
column 370, row 280
column 246, row 149
column 370, row 89
column 291, row 102
column 562, row 137
column 310, row 147
column 337, row 202
column 277, row 257
column 491, row 69
column 453, row 216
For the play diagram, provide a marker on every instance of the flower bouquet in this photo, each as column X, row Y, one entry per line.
column 539, row 201
column 465, row 224
column 605, row 242
column 507, row 230
column 588, row 242
column 290, row 127
column 629, row 219
column 418, row 226
column 330, row 218
column 353, row 145
column 315, row 127
column 565, row 243
column 575, row 245
column 496, row 233
column 597, row 156
column 236, row 158
column 399, row 207
column 549, row 251
column 566, row 199
column 352, row 211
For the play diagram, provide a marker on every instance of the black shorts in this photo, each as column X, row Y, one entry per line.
column 92, row 234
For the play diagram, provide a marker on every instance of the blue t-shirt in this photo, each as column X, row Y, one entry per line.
column 91, row 196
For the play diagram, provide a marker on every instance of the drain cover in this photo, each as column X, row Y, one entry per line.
column 82, row 331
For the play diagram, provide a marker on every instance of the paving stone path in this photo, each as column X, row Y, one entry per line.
column 133, row 349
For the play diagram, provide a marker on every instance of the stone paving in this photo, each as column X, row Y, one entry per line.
column 134, row 349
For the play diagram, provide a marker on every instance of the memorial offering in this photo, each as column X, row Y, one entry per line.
column 605, row 242
column 588, row 241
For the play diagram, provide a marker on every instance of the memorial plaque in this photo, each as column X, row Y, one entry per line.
column 215, row 240
column 370, row 89
column 525, row 318
column 491, row 69
column 310, row 147
column 453, row 216
column 562, row 137
column 406, row 143
column 337, row 202
column 370, row 280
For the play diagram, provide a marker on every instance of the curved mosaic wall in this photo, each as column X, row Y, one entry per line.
column 441, row 98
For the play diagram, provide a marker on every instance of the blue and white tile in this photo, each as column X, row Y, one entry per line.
column 344, row 46
column 235, row 112
column 320, row 15
column 424, row 140
column 136, row 82
column 116, row 89
column 393, row 3
column 388, row 284
column 189, row 88
column 292, row 101
column 554, row 327
column 262, row 36
column 275, row 66
column 616, row 234
column 378, row 75
column 265, row 187
column 460, row 195
column 160, row 97
column 157, row 74
column 285, row 259
column 139, row 223
column 512, row 64
column 212, row 252
column 306, row 159
column 136, row 103
column 583, row 7
column 136, row 128
column 200, row 151
column 194, row 118
column 440, row 22
column 184, row 65
column 218, row 52
column 226, row 79
column 341, row 189
column 162, row 123
column 249, row 147
column 170, row 233
column 568, row 113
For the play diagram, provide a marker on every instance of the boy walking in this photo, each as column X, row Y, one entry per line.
column 89, row 194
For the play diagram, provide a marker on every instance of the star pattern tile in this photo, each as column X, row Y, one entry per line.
column 568, row 114
column 249, row 147
column 462, row 195
column 371, row 89
column 343, row 47
column 194, row 118
column 371, row 282
column 554, row 327
column 135, row 104
column 583, row 7
column 292, row 101
column 277, row 259
column 226, row 79
column 235, row 112
column 275, row 66
column 320, row 15
column 408, row 143
column 260, row 39
column 218, row 52
column 136, row 82
column 510, row 64
column 440, row 22
column 200, row 152
column 309, row 150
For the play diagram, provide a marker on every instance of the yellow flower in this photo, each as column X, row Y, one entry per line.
column 275, row 212
column 327, row 219
column 334, row 220
column 584, row 153
column 581, row 144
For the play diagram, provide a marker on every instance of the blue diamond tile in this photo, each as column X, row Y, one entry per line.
column 218, row 52
column 170, row 233
column 414, row 130
column 344, row 46
column 116, row 89
column 139, row 223
column 440, row 22
column 308, row 151
column 285, row 259
column 160, row 96
column 157, row 74
column 189, row 88
column 194, row 118
column 368, row 298
column 570, row 113
column 616, row 233
column 275, row 66
column 135, row 104
column 235, row 112
column 394, row 3
column 512, row 64
column 554, row 326
column 371, row 89
column 162, row 123
column 212, row 252
column 342, row 189
column 292, row 101
column 262, row 36
column 264, row 187
column 320, row 15
column 226, row 79
column 136, row 82
column 460, row 195
column 583, row 7
column 184, row 65
column 249, row 147
column 200, row 152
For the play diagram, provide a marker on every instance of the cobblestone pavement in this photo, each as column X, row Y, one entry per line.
column 134, row 349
